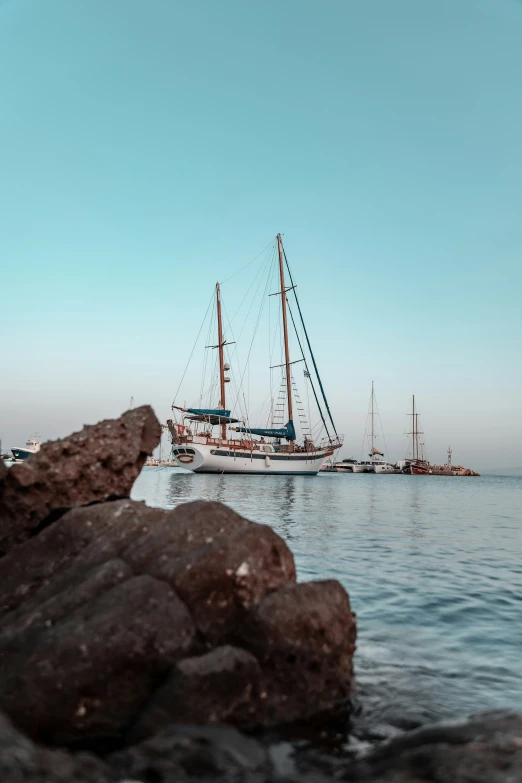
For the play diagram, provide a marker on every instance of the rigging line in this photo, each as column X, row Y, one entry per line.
column 277, row 328
column 205, row 355
column 306, row 365
column 264, row 268
column 366, row 436
column 230, row 360
column 249, row 263
column 263, row 299
column 308, row 342
column 259, row 272
column 194, row 346
column 308, row 406
column 382, row 431
column 237, row 387
column 255, row 330
column 261, row 407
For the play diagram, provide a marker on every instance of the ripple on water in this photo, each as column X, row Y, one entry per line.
column 432, row 565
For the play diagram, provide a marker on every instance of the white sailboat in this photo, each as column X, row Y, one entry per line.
column 204, row 440
column 375, row 464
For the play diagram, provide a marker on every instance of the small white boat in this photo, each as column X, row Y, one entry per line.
column 380, row 466
column 346, row 466
column 31, row 447
column 328, row 466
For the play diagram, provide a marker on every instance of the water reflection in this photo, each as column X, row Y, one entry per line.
column 415, row 505
column 179, row 488
column 286, row 496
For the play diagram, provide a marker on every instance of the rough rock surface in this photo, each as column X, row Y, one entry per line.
column 87, row 675
column 486, row 749
column 304, row 638
column 117, row 619
column 116, row 602
column 21, row 761
column 98, row 463
column 222, row 686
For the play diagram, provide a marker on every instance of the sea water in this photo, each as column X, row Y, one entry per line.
column 433, row 567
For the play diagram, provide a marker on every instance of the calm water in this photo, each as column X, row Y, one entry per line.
column 433, row 567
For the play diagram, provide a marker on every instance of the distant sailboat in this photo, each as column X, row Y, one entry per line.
column 196, row 445
column 417, row 465
column 374, row 464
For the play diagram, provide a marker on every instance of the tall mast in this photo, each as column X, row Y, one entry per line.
column 221, row 357
column 285, row 331
column 372, row 423
column 413, row 430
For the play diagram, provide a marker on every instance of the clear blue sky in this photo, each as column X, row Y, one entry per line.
column 150, row 147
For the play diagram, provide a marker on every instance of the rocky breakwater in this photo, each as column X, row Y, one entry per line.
column 117, row 619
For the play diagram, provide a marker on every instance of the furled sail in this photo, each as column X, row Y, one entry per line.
column 288, row 431
column 211, row 416
column 209, row 412
column 375, row 451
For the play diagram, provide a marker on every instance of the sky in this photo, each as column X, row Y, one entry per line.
column 149, row 148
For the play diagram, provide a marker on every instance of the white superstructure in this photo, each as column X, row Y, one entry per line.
column 31, row 447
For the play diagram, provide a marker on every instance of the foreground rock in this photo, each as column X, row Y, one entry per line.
column 21, row 761
column 118, row 619
column 486, row 749
column 96, row 464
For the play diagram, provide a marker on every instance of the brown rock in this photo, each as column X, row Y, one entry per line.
column 21, row 627
column 21, row 761
column 97, row 579
column 187, row 528
column 304, row 638
column 80, row 540
column 91, row 673
column 221, row 686
column 485, row 749
column 99, row 463
column 115, row 614
column 196, row 754
column 221, row 580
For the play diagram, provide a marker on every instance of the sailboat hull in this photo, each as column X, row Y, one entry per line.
column 202, row 458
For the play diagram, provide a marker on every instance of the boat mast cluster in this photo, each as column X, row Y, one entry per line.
column 221, row 416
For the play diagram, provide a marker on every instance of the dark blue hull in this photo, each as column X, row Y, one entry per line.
column 21, row 453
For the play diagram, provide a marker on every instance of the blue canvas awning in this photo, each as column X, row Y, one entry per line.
column 209, row 412
column 288, row 431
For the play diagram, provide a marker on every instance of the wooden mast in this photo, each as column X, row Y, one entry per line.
column 285, row 331
column 221, row 358
column 413, row 429
column 371, row 455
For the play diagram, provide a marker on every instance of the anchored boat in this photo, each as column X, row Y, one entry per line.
column 204, row 439
column 376, row 463
column 31, row 447
column 418, row 465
